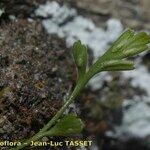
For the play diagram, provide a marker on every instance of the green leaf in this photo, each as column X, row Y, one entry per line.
column 69, row 125
column 118, row 44
column 135, row 50
column 80, row 57
column 117, row 65
column 116, row 58
column 111, row 65
column 127, row 45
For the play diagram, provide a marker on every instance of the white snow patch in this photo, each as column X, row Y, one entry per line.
column 80, row 28
column 97, row 81
column 140, row 78
column 55, row 11
column 136, row 121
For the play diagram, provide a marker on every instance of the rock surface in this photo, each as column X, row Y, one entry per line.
column 35, row 76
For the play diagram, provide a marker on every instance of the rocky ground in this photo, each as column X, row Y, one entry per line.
column 36, row 75
column 36, row 72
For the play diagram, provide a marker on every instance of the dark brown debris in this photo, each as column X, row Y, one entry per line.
column 35, row 75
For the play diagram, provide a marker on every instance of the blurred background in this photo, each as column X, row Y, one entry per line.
column 37, row 71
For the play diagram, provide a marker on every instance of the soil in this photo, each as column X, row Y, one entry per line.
column 21, row 8
column 36, row 74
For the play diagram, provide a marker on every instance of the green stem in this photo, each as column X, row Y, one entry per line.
column 28, row 141
column 34, row 138
column 74, row 94
column 80, row 85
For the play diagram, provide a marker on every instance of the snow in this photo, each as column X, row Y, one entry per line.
column 136, row 119
column 140, row 78
column 79, row 28
column 135, row 122
column 94, row 37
